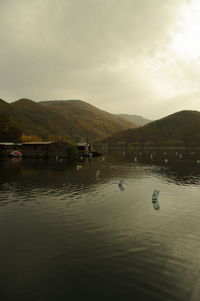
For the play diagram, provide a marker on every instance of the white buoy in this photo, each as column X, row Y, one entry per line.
column 166, row 160
column 97, row 175
column 135, row 159
column 180, row 156
column 198, row 161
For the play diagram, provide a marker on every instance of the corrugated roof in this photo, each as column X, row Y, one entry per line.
column 40, row 142
column 10, row 143
column 31, row 143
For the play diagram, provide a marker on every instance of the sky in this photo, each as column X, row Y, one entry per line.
column 123, row 56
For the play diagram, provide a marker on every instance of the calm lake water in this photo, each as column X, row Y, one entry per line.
column 72, row 232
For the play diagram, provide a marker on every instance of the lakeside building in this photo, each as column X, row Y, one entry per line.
column 36, row 149
column 84, row 147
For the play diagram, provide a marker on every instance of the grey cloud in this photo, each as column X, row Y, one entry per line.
column 186, row 101
column 68, row 48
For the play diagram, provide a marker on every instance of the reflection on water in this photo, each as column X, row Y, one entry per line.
column 92, row 229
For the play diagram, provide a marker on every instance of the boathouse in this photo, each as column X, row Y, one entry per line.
column 84, row 147
column 36, row 149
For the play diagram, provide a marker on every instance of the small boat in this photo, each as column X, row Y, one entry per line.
column 16, row 154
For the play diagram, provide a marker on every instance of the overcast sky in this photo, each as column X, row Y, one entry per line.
column 123, row 56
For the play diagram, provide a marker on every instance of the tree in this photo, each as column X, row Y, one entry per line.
column 30, row 138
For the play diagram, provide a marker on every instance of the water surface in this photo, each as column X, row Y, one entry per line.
column 71, row 231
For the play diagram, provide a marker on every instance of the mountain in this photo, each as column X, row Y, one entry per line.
column 86, row 121
column 136, row 119
column 37, row 120
column 178, row 129
column 72, row 120
column 9, row 130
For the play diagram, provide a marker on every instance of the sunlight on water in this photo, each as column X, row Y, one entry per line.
column 96, row 232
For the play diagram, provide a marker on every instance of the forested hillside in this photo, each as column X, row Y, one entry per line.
column 73, row 120
column 178, row 129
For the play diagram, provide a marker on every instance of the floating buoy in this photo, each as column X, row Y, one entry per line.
column 166, row 160
column 120, row 185
column 155, row 199
column 135, row 159
column 155, row 194
column 78, row 167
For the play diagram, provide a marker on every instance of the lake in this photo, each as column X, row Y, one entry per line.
column 89, row 230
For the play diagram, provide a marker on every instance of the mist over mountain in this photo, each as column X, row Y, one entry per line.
column 178, row 129
column 136, row 119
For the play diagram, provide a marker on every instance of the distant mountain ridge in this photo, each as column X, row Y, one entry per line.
column 178, row 129
column 75, row 120
column 136, row 119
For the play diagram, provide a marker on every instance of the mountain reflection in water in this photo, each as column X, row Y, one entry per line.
column 88, row 230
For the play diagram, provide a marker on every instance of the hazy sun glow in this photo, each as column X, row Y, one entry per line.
column 175, row 71
column 186, row 42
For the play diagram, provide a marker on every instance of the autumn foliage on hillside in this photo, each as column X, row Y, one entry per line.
column 68, row 121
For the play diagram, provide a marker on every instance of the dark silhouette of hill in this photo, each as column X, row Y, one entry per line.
column 72, row 120
column 136, row 119
column 178, row 129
